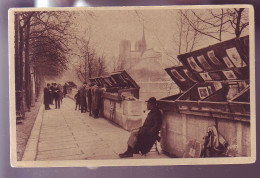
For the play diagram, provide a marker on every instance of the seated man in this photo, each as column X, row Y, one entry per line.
column 144, row 138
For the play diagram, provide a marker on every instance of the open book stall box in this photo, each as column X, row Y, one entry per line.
column 120, row 100
column 215, row 92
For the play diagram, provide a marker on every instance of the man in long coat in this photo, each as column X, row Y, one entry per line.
column 47, row 97
column 65, row 86
column 144, row 138
column 56, row 95
column 94, row 102
column 83, row 97
column 89, row 96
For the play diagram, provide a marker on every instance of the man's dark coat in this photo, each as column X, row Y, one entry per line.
column 47, row 96
column 148, row 133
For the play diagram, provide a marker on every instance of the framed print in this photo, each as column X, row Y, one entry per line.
column 203, row 92
column 205, row 76
column 217, row 85
column 215, row 76
column 204, row 62
column 213, row 58
column 176, row 74
column 228, row 62
column 235, row 57
column 230, row 75
column 188, row 74
column 192, row 63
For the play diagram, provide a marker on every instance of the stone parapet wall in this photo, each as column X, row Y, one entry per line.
column 127, row 114
column 178, row 129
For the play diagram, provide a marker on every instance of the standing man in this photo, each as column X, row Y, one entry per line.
column 100, row 100
column 52, row 93
column 77, row 99
column 143, row 138
column 65, row 89
column 47, row 97
column 94, row 107
column 61, row 93
column 89, row 95
column 56, row 95
column 83, row 95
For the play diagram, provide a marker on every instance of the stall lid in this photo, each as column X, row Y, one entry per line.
column 109, row 81
column 228, row 60
column 124, row 80
column 92, row 80
column 243, row 96
column 182, row 77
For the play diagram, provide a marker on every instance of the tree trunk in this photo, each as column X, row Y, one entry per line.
column 27, row 67
column 18, row 68
column 239, row 15
column 21, row 66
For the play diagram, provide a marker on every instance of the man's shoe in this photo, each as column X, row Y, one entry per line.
column 126, row 155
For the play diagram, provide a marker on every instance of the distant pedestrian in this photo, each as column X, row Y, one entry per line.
column 47, row 97
column 83, row 97
column 65, row 88
column 89, row 96
column 97, row 93
column 56, row 95
column 52, row 93
column 77, row 99
column 61, row 93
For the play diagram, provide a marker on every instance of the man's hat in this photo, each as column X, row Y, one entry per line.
column 151, row 100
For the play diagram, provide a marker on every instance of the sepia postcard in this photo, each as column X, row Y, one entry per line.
column 132, row 86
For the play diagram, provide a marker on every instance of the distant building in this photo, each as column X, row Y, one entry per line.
column 145, row 67
column 128, row 57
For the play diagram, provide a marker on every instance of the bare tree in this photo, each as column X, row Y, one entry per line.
column 214, row 23
column 43, row 41
column 90, row 63
column 184, row 38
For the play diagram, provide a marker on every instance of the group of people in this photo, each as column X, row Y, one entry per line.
column 54, row 93
column 89, row 99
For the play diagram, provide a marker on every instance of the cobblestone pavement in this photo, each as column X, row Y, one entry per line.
column 66, row 134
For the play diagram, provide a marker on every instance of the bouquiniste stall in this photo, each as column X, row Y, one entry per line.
column 121, row 104
column 215, row 92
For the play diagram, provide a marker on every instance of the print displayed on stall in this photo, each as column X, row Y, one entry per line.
column 235, row 57
column 193, row 64
column 213, row 58
column 203, row 92
column 217, row 85
column 228, row 62
column 205, row 76
column 188, row 74
column 176, row 74
column 204, row 62
column 230, row 75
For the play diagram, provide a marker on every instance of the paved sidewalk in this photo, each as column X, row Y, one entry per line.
column 66, row 134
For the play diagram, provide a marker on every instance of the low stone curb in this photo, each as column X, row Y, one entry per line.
column 31, row 146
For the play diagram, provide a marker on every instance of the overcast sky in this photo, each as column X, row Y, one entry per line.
column 109, row 27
